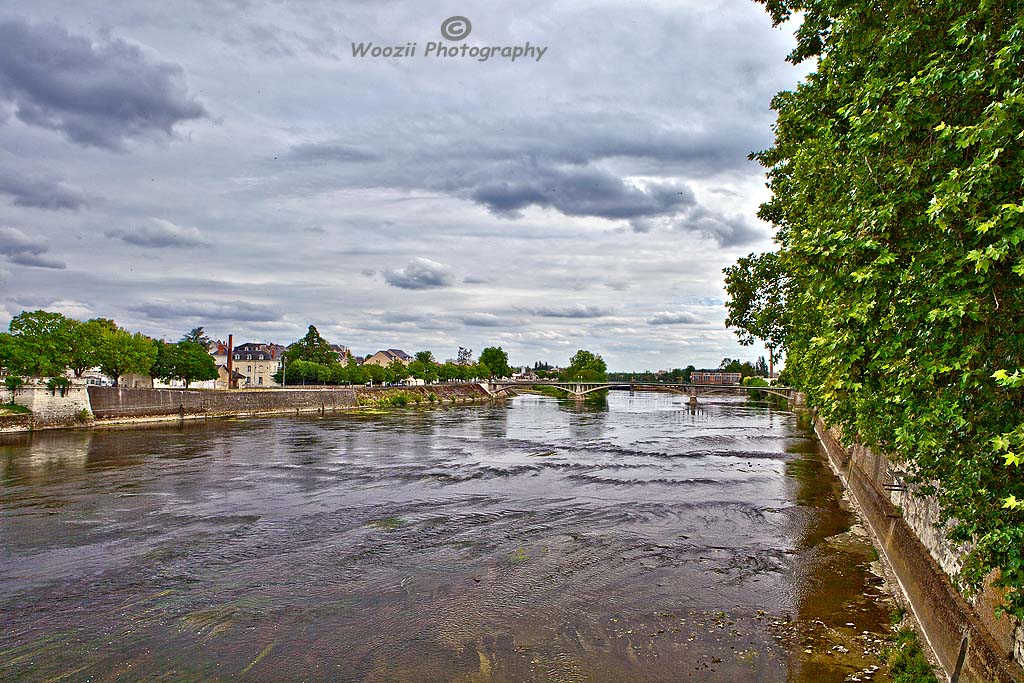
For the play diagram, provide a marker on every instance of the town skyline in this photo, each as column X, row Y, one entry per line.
column 255, row 177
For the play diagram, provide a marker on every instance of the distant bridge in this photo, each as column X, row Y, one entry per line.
column 499, row 388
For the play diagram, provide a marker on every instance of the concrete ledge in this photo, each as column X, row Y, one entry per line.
column 945, row 617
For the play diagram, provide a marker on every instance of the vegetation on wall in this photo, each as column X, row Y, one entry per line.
column 896, row 288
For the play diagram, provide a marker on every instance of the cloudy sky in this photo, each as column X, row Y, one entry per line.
column 233, row 165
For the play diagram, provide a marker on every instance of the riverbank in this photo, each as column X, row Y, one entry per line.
column 81, row 407
column 967, row 638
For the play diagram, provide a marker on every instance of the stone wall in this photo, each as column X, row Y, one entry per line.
column 924, row 562
column 49, row 408
column 117, row 404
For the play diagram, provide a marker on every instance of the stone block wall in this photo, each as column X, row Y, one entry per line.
column 926, row 564
column 117, row 404
column 51, row 409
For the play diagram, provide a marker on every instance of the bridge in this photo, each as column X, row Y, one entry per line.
column 498, row 388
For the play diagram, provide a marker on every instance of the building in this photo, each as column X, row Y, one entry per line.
column 257, row 364
column 222, row 378
column 343, row 352
column 715, row 377
column 385, row 358
column 135, row 380
column 219, row 350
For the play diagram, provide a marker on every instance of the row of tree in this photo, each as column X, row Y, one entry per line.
column 897, row 286
column 45, row 344
column 758, row 368
column 312, row 361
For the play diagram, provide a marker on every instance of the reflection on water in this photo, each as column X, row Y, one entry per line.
column 534, row 540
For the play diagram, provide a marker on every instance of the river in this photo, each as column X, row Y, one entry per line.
column 530, row 540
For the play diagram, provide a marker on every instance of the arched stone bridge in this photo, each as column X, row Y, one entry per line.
column 499, row 388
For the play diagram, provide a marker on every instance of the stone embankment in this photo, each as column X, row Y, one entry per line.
column 965, row 636
column 97, row 406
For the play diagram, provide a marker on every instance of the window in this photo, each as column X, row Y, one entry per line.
column 260, row 382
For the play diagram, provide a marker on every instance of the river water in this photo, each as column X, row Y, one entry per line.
column 531, row 540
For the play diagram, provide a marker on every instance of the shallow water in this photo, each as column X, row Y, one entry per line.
column 532, row 540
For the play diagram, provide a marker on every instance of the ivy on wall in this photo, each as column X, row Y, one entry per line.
column 897, row 183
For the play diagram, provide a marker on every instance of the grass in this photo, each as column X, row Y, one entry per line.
column 13, row 409
column 905, row 657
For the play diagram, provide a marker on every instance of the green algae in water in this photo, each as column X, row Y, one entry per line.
column 388, row 523
column 518, row 556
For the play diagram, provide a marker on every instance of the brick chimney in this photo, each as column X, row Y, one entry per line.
column 231, row 364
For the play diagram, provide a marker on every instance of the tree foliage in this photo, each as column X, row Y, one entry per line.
column 496, row 361
column 756, row 286
column 83, row 351
column 39, row 344
column 186, row 361
column 120, row 352
column 312, row 348
column 197, row 335
column 585, row 367
column 896, row 191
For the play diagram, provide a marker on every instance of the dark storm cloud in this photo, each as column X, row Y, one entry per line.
column 421, row 273
column 159, row 234
column 240, row 311
column 674, row 318
column 100, row 94
column 23, row 250
column 579, row 311
column 586, row 170
column 577, row 192
column 39, row 191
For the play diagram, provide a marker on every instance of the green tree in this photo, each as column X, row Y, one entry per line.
column 586, row 367
column 377, row 373
column 399, row 370
column 896, row 194
column 197, row 335
column 39, row 344
column 449, row 371
column 479, row 371
column 424, row 367
column 84, row 339
column 357, row 374
column 120, row 352
column 7, row 351
column 757, row 286
column 496, row 361
column 13, row 383
column 192, row 363
column 164, row 362
column 312, row 348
